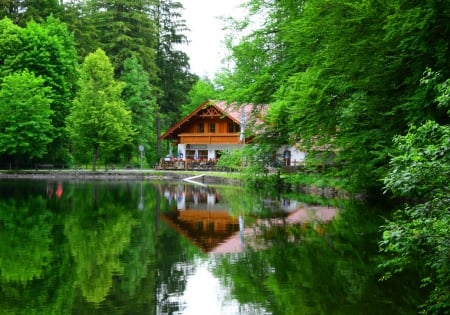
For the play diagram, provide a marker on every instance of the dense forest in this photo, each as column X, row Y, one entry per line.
column 362, row 86
column 366, row 85
column 57, row 55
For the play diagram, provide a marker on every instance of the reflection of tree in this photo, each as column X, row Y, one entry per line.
column 97, row 233
column 35, row 268
column 138, row 281
column 25, row 238
column 331, row 272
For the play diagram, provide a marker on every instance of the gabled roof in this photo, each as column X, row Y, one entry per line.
column 233, row 111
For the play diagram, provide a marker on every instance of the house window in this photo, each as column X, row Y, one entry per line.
column 202, row 154
column 190, row 154
column 212, row 127
column 197, row 154
column 233, row 127
column 201, row 128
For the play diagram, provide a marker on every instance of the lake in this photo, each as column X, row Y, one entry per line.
column 142, row 247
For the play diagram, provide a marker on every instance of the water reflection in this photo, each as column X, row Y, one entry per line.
column 201, row 215
column 143, row 248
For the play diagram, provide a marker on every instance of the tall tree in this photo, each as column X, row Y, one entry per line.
column 77, row 15
column 99, row 120
column 175, row 79
column 139, row 99
column 419, row 232
column 124, row 29
column 25, row 116
column 46, row 49
column 23, row 11
column 344, row 73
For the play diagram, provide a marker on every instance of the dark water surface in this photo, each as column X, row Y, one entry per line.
column 171, row 248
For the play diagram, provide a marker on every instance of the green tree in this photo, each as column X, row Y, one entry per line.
column 174, row 77
column 123, row 29
column 138, row 97
column 25, row 116
column 10, row 43
column 23, row 11
column 47, row 50
column 343, row 73
column 99, row 120
column 79, row 19
column 419, row 233
column 202, row 90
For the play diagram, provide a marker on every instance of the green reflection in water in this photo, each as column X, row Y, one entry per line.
column 25, row 238
column 102, row 248
column 318, row 269
column 35, row 270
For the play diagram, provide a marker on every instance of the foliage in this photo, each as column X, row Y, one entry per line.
column 46, row 50
column 25, row 240
column 174, row 78
column 122, row 29
column 419, row 233
column 138, row 97
column 341, row 74
column 252, row 159
column 99, row 120
column 173, row 64
column 317, row 268
column 25, row 115
column 318, row 180
column 202, row 91
column 23, row 11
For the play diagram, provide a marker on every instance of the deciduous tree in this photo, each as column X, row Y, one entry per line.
column 47, row 50
column 25, row 116
column 419, row 233
column 99, row 120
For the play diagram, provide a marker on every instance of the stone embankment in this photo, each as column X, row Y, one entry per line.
column 116, row 175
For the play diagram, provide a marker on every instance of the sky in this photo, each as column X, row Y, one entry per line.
column 206, row 47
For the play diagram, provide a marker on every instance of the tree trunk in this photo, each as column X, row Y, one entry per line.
column 158, row 134
column 94, row 158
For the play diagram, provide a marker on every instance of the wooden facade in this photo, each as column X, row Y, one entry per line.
column 212, row 127
column 215, row 126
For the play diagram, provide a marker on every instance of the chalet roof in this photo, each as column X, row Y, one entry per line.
column 234, row 111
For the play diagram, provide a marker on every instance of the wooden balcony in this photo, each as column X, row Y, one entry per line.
column 209, row 138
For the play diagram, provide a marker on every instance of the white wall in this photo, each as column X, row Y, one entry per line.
column 297, row 156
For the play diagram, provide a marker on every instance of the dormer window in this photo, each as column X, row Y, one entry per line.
column 201, row 128
column 212, row 127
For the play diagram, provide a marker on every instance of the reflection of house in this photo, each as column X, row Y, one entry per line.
column 201, row 217
column 205, row 228
column 216, row 126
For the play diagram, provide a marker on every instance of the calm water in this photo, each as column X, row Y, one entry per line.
column 144, row 248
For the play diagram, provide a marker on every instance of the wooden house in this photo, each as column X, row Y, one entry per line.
column 212, row 127
column 215, row 126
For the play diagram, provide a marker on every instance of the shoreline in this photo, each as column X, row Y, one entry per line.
column 119, row 175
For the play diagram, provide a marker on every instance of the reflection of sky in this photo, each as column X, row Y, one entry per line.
column 208, row 199
column 197, row 198
column 205, row 295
